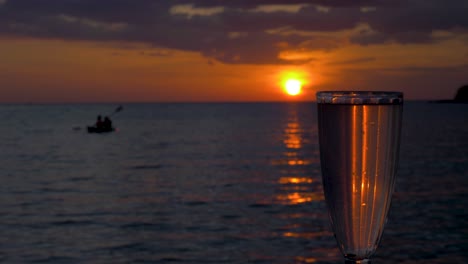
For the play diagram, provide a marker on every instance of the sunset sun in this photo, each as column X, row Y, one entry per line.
column 293, row 87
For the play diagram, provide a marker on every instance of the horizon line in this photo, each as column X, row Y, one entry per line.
column 187, row 102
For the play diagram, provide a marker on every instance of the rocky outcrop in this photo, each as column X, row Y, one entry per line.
column 462, row 95
column 460, row 98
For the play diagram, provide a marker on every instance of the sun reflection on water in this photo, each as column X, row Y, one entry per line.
column 298, row 197
column 294, row 180
column 296, row 185
column 299, row 188
column 306, row 260
column 292, row 132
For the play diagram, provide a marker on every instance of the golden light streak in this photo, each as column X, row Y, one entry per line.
column 293, row 138
column 308, row 235
column 299, row 197
column 364, row 179
column 354, row 171
column 297, row 162
column 294, row 180
column 306, row 260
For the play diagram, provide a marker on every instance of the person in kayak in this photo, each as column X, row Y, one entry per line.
column 107, row 124
column 99, row 124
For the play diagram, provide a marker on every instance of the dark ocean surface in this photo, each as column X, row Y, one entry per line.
column 213, row 183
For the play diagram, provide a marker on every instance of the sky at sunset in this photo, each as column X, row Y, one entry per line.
column 213, row 50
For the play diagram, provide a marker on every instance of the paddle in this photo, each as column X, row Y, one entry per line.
column 118, row 109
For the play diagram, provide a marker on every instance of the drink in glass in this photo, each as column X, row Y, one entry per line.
column 359, row 134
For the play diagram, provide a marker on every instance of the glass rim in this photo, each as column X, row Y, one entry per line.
column 359, row 97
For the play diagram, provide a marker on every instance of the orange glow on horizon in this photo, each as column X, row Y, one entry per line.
column 42, row 70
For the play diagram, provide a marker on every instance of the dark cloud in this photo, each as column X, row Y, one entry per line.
column 353, row 61
column 414, row 22
column 239, row 32
column 249, row 4
column 421, row 16
column 462, row 68
column 404, row 37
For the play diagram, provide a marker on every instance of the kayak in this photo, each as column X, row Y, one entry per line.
column 92, row 129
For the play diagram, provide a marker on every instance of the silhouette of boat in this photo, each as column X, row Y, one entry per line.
column 93, row 129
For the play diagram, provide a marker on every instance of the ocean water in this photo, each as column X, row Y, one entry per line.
column 213, row 183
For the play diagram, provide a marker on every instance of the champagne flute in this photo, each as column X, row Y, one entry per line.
column 359, row 134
